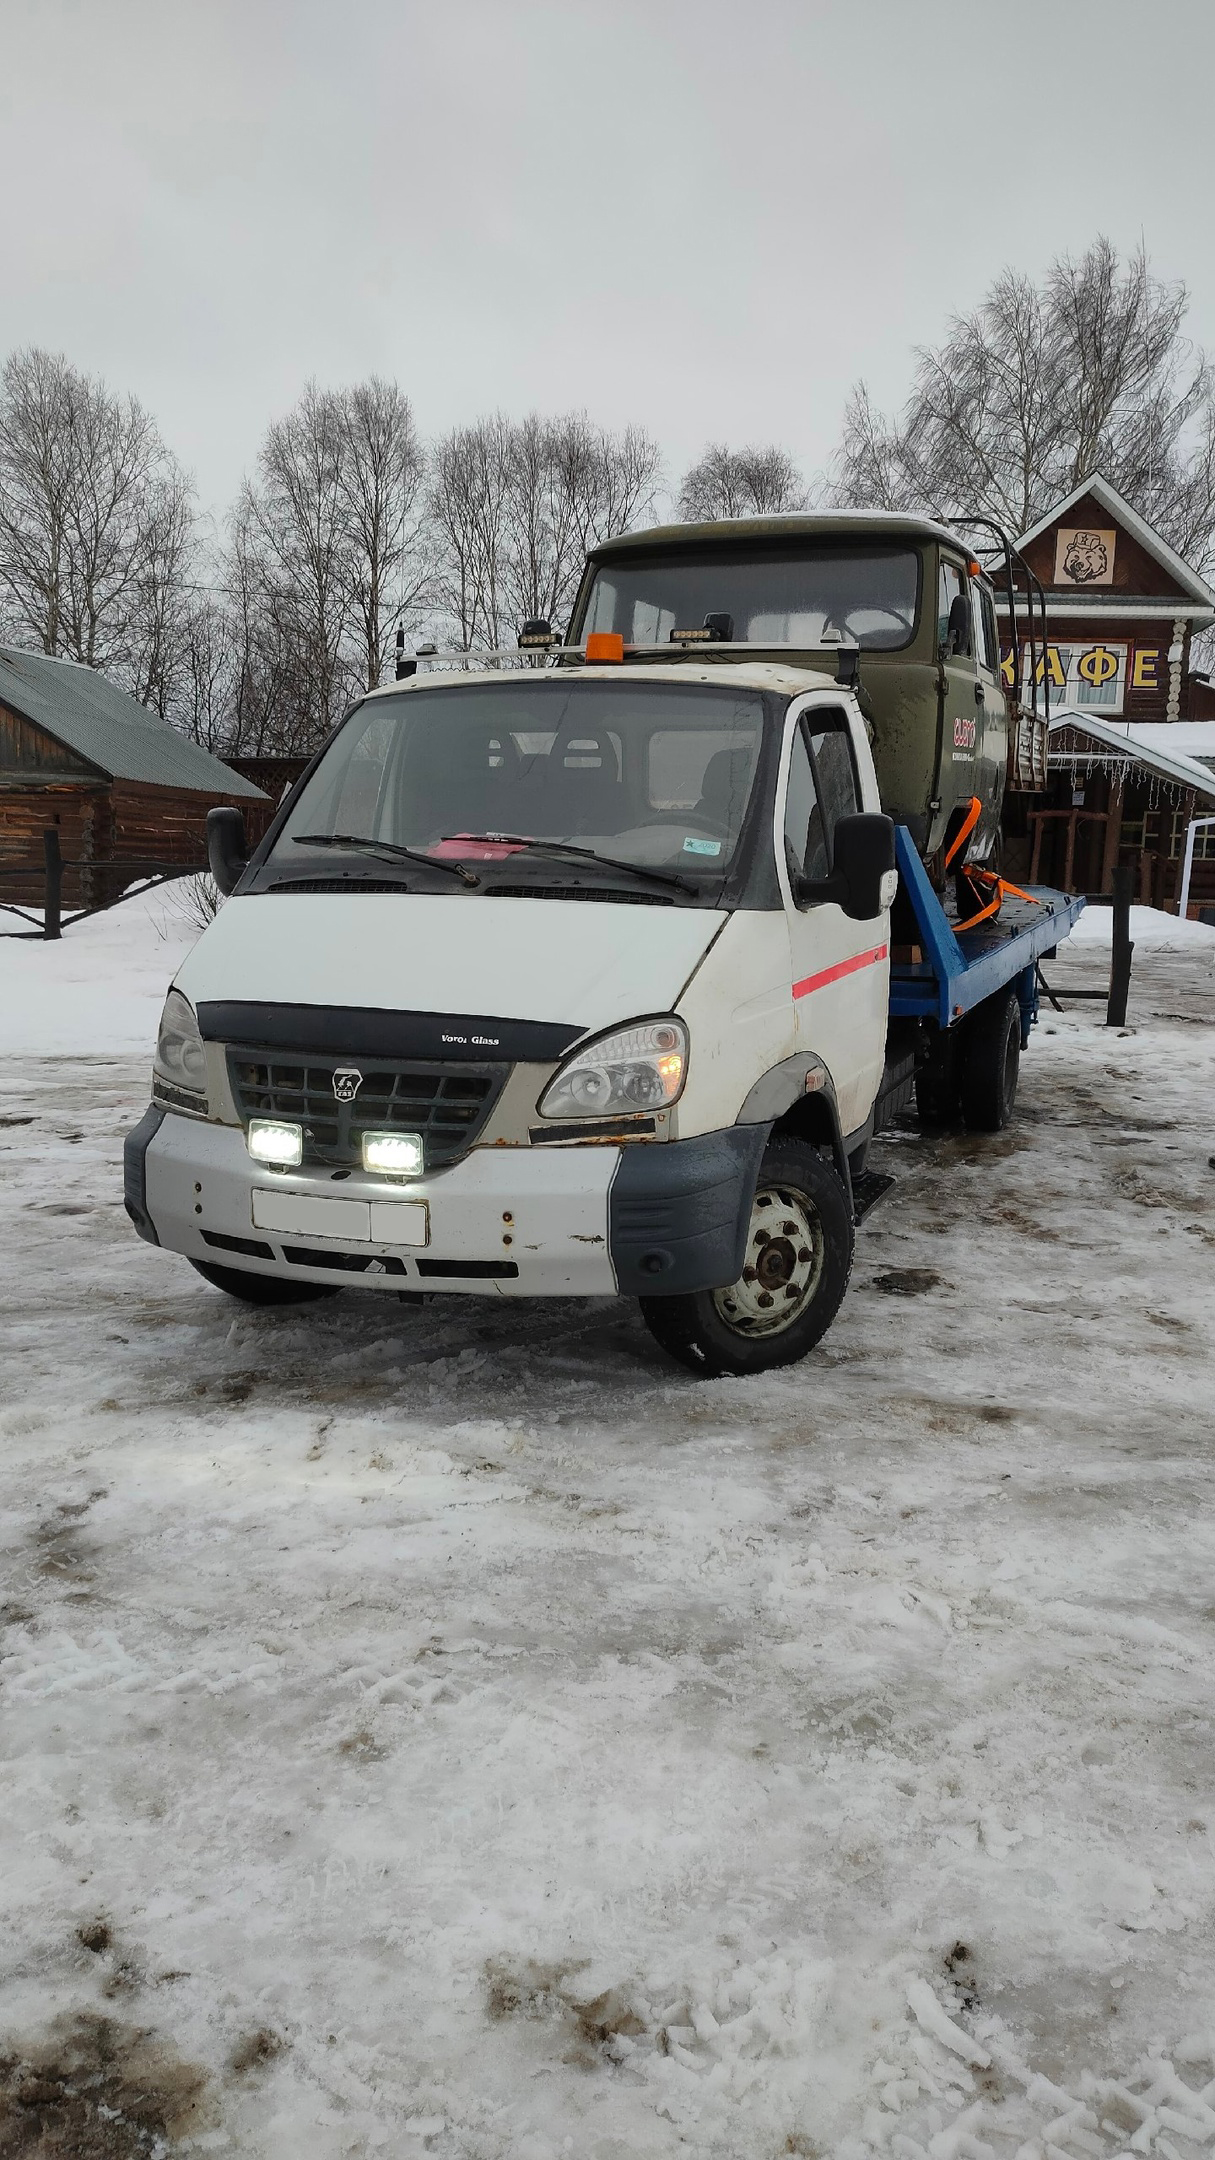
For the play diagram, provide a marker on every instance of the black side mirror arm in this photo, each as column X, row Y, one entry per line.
column 811, row 892
column 227, row 847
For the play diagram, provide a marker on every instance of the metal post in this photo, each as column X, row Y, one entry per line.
column 1183, row 899
column 1120, row 956
column 52, row 911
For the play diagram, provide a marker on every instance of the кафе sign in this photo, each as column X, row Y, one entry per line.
column 1095, row 675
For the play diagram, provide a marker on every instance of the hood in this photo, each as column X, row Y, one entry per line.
column 583, row 964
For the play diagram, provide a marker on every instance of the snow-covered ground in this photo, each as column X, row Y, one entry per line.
column 1151, row 931
column 457, row 1731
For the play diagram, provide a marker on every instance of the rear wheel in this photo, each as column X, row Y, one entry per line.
column 798, row 1260
column 261, row 1289
column 936, row 1082
column 991, row 1063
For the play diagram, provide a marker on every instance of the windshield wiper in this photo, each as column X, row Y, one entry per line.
column 390, row 848
column 584, row 854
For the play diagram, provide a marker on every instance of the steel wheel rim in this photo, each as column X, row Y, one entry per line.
column 786, row 1255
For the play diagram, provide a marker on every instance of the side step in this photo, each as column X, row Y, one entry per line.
column 867, row 1189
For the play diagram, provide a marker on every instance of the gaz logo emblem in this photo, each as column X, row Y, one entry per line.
column 964, row 732
column 347, row 1082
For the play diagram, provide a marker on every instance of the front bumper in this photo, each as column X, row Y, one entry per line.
column 568, row 1221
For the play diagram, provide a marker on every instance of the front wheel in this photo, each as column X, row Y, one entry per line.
column 798, row 1260
column 254, row 1289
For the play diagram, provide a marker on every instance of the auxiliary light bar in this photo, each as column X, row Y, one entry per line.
column 693, row 645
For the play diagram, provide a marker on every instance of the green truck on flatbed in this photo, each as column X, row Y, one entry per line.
column 898, row 604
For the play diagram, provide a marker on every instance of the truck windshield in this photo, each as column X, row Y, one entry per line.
column 658, row 776
column 861, row 596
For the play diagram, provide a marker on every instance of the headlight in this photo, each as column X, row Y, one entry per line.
column 180, row 1061
column 636, row 1069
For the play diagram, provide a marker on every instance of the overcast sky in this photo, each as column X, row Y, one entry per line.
column 707, row 217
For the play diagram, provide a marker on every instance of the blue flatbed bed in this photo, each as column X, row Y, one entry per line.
column 960, row 969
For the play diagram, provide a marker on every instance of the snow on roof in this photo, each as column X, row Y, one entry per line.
column 1121, row 735
column 112, row 731
column 1178, row 738
column 1119, row 508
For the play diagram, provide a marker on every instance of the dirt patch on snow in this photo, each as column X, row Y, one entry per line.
column 96, row 2090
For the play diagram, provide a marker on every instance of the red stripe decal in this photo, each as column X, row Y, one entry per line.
column 842, row 967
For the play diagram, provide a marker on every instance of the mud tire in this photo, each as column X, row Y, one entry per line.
column 261, row 1289
column 937, row 1099
column 697, row 1329
column 991, row 1063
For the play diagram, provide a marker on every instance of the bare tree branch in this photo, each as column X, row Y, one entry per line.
column 755, row 482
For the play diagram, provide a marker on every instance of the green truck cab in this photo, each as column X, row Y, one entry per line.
column 897, row 604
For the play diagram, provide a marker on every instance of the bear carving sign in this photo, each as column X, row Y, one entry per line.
column 1084, row 555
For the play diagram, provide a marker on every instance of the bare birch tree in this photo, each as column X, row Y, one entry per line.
column 1041, row 386
column 515, row 506
column 293, row 519
column 381, row 475
column 755, row 482
column 469, row 496
column 96, row 523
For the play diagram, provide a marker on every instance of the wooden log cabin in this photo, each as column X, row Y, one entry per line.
column 118, row 784
column 1123, row 609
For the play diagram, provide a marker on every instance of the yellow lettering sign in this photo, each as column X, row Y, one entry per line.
column 1008, row 671
column 1144, row 675
column 1050, row 664
column 1099, row 665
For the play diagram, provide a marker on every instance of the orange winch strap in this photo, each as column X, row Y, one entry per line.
column 1002, row 889
column 966, row 828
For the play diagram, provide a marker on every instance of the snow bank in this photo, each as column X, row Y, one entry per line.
column 1150, row 928
column 99, row 990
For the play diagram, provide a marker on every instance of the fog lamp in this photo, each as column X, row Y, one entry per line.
column 270, row 1141
column 393, row 1154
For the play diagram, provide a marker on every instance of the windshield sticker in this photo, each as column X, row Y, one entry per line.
column 702, row 847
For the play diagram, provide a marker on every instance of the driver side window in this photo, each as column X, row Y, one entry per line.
column 822, row 788
column 949, row 589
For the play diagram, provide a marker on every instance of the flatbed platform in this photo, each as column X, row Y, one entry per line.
column 961, row 968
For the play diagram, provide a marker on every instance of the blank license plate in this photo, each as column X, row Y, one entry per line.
column 356, row 1222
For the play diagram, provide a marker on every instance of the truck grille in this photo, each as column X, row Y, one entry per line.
column 447, row 1104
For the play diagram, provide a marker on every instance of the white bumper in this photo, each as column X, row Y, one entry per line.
column 522, row 1222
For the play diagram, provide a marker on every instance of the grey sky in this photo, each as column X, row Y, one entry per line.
column 707, row 217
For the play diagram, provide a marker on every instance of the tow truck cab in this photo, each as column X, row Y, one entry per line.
column 545, row 981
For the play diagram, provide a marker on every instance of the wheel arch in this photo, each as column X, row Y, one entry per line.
column 797, row 1099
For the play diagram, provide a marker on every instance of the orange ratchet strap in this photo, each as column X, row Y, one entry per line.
column 965, row 830
column 981, row 881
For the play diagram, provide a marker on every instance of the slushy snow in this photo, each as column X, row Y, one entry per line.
column 456, row 1731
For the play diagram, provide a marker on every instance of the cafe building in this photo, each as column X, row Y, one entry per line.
column 1123, row 611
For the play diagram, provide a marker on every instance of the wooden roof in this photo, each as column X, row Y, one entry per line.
column 112, row 732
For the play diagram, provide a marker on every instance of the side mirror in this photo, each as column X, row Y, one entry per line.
column 957, row 635
column 863, row 881
column 227, row 848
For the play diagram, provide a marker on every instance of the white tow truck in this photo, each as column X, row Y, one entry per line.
column 571, row 980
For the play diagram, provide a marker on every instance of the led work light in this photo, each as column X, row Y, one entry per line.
column 270, row 1141
column 393, row 1154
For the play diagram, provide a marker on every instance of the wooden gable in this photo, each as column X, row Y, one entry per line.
column 1132, row 571
column 28, row 753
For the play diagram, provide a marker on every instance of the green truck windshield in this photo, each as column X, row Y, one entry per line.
column 866, row 597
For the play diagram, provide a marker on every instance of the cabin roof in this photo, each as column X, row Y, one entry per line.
column 86, row 713
column 846, row 525
column 1138, row 746
column 1117, row 507
column 786, row 678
